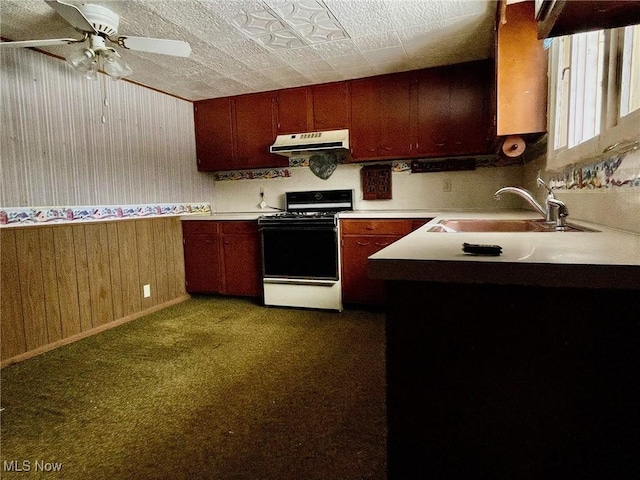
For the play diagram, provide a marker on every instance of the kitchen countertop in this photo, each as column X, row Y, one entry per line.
column 388, row 214
column 228, row 216
column 606, row 258
column 345, row 215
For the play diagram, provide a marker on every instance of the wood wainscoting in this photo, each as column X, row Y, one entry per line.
column 60, row 283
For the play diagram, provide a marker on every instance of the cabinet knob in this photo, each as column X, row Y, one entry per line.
column 363, row 244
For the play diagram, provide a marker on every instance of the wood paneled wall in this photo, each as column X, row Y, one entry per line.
column 63, row 282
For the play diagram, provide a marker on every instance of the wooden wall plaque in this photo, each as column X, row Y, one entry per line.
column 376, row 182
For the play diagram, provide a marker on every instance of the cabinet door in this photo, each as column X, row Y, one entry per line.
column 469, row 108
column 255, row 132
column 202, row 263
column 381, row 117
column 365, row 124
column 242, row 260
column 432, row 118
column 292, row 111
column 395, row 115
column 453, row 111
column 331, row 106
column 357, row 287
column 214, row 134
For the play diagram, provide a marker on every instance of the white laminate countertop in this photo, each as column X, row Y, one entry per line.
column 227, row 216
column 606, row 258
column 346, row 215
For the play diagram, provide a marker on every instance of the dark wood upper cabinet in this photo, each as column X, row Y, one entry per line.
column 454, row 110
column 255, row 132
column 331, row 106
column 214, row 134
column 365, row 123
column 381, row 117
column 470, row 125
column 442, row 111
column 395, row 105
column 293, row 111
column 433, row 111
column 566, row 17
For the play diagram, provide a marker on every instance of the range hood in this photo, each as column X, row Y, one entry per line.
column 298, row 144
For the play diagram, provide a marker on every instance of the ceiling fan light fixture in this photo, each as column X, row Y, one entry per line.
column 113, row 65
column 84, row 62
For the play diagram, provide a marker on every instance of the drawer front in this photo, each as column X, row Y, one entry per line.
column 239, row 226
column 199, row 226
column 376, row 227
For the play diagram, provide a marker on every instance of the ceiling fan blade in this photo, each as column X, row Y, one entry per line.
column 72, row 14
column 40, row 43
column 177, row 48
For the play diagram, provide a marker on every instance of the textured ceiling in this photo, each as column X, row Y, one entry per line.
column 343, row 39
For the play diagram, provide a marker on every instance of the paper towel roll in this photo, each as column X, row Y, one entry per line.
column 513, row 146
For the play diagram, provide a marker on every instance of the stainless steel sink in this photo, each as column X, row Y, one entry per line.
column 490, row 225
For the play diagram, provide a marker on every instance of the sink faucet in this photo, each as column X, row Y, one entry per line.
column 555, row 212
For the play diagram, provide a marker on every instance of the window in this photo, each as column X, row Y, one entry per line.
column 594, row 90
column 579, row 84
column 630, row 90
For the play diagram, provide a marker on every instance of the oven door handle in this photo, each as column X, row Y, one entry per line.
column 300, row 281
column 281, row 228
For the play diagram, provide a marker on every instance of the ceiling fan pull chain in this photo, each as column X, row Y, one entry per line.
column 105, row 101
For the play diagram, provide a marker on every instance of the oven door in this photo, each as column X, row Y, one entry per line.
column 300, row 252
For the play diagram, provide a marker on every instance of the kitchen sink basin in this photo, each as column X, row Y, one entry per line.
column 488, row 225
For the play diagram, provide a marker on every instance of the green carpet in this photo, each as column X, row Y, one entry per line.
column 212, row 388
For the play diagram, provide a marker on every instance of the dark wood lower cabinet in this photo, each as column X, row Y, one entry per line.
column 201, row 256
column 241, row 259
column 512, row 382
column 361, row 238
column 222, row 257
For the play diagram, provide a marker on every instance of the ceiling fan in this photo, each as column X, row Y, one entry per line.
column 99, row 25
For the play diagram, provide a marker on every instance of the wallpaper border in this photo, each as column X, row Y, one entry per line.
column 19, row 216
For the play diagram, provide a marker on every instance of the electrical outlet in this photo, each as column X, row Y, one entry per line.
column 446, row 185
column 263, row 204
column 146, row 291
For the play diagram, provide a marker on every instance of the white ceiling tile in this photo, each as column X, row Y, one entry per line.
column 322, row 32
column 283, row 40
column 303, row 13
column 335, row 49
column 262, row 61
column 357, row 72
column 299, row 55
column 242, row 48
column 385, row 55
column 317, row 66
column 258, row 22
column 389, row 67
column 355, row 60
column 376, row 41
column 321, row 77
column 256, row 81
column 385, row 36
